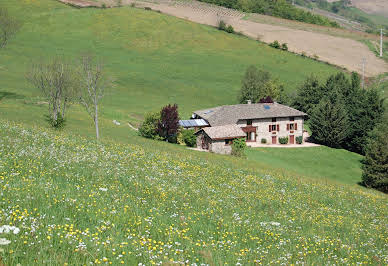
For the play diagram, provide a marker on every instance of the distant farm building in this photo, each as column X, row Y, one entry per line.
column 257, row 122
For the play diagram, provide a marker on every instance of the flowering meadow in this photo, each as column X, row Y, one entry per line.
column 65, row 200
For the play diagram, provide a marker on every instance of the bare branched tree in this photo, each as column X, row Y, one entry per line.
column 93, row 83
column 57, row 81
column 8, row 26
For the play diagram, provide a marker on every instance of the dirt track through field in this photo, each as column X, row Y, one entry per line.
column 343, row 52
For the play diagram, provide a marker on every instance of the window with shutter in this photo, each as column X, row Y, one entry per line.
column 277, row 127
column 296, row 126
column 288, row 127
column 269, row 128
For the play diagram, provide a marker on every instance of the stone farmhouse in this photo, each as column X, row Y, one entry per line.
column 257, row 122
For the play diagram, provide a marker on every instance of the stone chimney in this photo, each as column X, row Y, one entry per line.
column 249, row 102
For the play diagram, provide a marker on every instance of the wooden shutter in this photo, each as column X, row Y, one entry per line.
column 277, row 127
column 288, row 127
column 296, row 126
column 270, row 128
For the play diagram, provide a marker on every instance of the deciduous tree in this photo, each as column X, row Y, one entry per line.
column 149, row 127
column 92, row 85
column 169, row 122
column 56, row 80
column 9, row 25
column 257, row 84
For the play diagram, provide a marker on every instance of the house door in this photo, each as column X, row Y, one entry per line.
column 292, row 139
column 273, row 139
column 253, row 136
column 205, row 144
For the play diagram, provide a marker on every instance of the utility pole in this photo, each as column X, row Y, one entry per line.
column 363, row 72
column 381, row 43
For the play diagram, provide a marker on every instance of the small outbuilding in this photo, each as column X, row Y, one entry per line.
column 218, row 139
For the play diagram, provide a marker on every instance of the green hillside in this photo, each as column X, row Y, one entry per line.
column 316, row 162
column 155, row 59
column 371, row 22
column 67, row 200
column 78, row 203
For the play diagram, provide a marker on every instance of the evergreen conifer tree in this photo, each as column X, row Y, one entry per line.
column 337, row 83
column 309, row 95
column 375, row 163
column 329, row 121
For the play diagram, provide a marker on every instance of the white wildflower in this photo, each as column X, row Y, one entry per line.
column 269, row 223
column 6, row 229
column 103, row 189
column 4, row 242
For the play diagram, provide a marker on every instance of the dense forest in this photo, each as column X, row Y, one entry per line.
column 277, row 8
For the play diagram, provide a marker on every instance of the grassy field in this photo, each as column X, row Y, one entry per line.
column 193, row 65
column 128, row 200
column 172, row 207
column 317, row 162
column 374, row 46
column 376, row 19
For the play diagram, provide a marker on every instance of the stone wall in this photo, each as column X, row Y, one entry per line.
column 262, row 126
column 218, row 146
column 199, row 140
column 201, row 135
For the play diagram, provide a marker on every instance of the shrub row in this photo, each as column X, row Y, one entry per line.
column 222, row 26
column 277, row 45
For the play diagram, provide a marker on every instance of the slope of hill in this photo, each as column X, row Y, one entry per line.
column 71, row 201
column 341, row 51
column 316, row 162
column 193, row 65
column 362, row 15
column 372, row 6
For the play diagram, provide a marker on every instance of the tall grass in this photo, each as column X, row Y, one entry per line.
column 78, row 202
